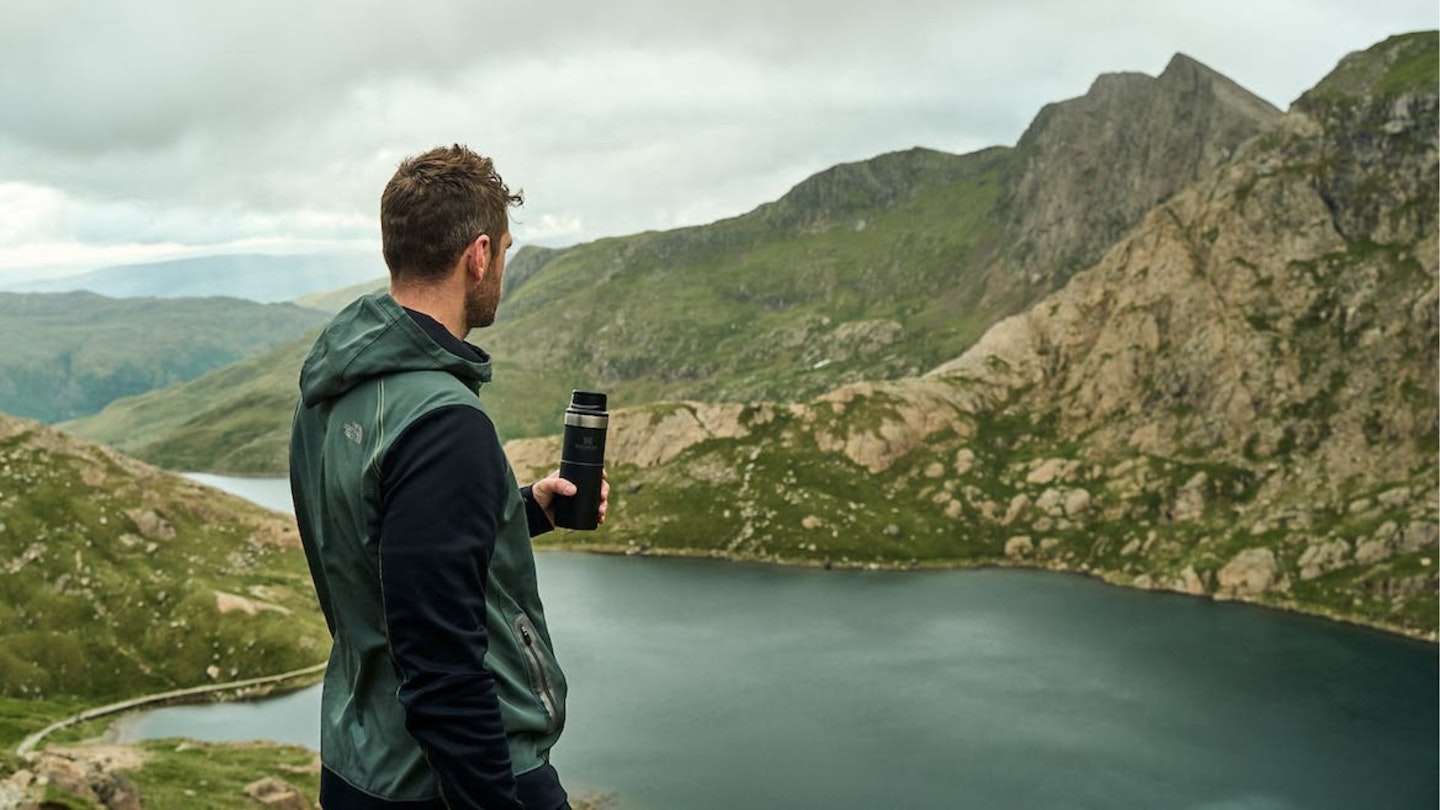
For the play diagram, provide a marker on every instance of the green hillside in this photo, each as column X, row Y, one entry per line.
column 120, row 579
column 68, row 355
column 836, row 281
column 870, row 270
column 235, row 419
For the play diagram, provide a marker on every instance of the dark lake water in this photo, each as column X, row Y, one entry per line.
column 713, row 685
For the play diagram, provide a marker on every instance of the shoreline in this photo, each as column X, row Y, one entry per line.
column 615, row 550
column 245, row 689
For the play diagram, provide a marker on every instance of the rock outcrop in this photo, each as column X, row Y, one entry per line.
column 92, row 775
column 1090, row 168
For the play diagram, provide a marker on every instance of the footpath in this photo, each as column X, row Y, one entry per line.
column 27, row 746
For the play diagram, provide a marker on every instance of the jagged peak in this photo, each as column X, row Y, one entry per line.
column 1184, row 69
column 1185, row 63
column 1182, row 74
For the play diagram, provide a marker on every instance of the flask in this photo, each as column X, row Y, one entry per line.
column 582, row 460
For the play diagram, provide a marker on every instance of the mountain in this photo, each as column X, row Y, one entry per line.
column 233, row 420
column 1091, row 168
column 68, row 355
column 872, row 270
column 1239, row 399
column 332, row 301
column 256, row 277
column 118, row 579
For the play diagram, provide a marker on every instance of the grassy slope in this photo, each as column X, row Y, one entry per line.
column 335, row 300
column 69, row 354
column 233, row 420
column 111, row 570
column 748, row 308
column 850, row 276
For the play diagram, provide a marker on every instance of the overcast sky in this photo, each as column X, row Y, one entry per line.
column 155, row 128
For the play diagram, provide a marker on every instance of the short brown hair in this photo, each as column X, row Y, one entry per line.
column 436, row 205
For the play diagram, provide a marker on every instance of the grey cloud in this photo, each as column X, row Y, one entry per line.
column 178, row 120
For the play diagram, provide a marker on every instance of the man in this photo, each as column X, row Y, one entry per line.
column 442, row 689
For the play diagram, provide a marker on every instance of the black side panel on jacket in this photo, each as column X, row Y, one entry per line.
column 442, row 485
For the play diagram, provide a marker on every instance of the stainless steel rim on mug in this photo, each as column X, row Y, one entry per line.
column 586, row 420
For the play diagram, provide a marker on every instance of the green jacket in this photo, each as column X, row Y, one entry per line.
column 373, row 373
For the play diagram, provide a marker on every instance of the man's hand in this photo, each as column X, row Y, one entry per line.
column 546, row 489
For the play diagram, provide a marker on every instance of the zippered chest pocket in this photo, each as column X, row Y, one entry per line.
column 542, row 679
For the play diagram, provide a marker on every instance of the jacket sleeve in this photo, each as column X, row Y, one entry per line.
column 443, row 487
column 535, row 518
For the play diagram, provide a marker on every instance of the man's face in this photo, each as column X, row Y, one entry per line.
column 484, row 298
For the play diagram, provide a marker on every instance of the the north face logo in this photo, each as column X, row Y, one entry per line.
column 354, row 432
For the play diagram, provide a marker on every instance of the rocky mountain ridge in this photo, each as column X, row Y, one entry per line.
column 1239, row 399
column 1090, row 168
column 877, row 269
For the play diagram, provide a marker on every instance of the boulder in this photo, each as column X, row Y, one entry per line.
column 1077, row 503
column 89, row 779
column 1372, row 551
column 1420, row 536
column 1250, row 573
column 1018, row 505
column 1189, row 582
column 1051, row 502
column 1019, row 547
column 1190, row 500
column 277, row 794
column 1322, row 557
column 964, row 461
column 1051, row 470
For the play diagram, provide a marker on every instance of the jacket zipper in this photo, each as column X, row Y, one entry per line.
column 539, row 673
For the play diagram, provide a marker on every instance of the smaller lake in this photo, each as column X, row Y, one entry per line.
column 699, row 685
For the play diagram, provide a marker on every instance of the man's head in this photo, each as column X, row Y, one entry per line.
column 436, row 208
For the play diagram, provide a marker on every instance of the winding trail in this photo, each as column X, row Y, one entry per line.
column 27, row 746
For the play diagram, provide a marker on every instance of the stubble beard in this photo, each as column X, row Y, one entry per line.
column 481, row 303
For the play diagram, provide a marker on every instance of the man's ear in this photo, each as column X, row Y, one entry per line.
column 478, row 260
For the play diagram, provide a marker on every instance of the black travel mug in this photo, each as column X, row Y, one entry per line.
column 582, row 460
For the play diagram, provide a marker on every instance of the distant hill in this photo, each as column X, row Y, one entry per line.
column 235, row 419
column 1239, row 399
column 332, row 301
column 870, row 270
column 256, row 277
column 118, row 579
column 68, row 355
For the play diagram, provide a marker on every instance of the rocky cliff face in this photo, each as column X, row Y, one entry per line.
column 1090, row 168
column 1239, row 399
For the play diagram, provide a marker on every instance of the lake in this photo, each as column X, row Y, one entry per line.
column 699, row 684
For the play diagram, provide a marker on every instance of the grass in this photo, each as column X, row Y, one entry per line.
column 69, row 354
column 784, row 302
column 115, row 573
column 184, row 774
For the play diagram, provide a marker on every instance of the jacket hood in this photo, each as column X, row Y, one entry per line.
column 375, row 336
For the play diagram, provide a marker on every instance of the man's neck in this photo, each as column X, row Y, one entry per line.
column 445, row 306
